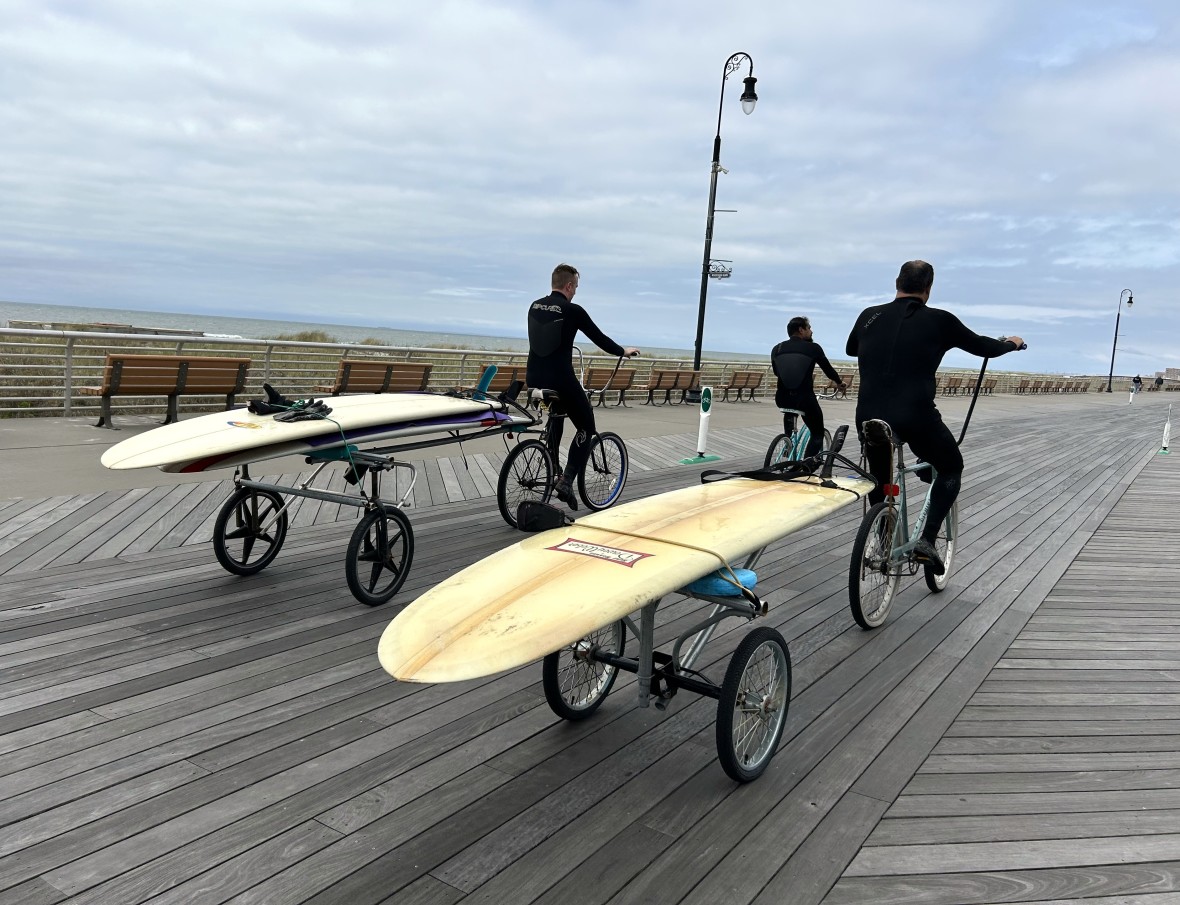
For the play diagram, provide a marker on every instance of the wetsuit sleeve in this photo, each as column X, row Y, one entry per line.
column 852, row 347
column 957, row 336
column 600, row 339
column 826, row 366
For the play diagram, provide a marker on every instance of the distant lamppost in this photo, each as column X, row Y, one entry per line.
column 749, row 99
column 1115, row 345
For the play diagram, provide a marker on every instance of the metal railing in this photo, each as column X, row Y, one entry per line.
column 41, row 371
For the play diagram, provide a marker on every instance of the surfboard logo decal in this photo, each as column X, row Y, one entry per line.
column 616, row 555
column 249, row 424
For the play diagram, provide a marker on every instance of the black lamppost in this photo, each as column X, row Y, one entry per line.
column 749, row 99
column 1130, row 301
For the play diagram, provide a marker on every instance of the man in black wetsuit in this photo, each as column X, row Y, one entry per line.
column 793, row 362
column 899, row 347
column 554, row 321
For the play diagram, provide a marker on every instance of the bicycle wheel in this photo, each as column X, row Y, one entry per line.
column 778, row 451
column 575, row 684
column 752, row 709
column 944, row 545
column 527, row 474
column 249, row 530
column 379, row 555
column 600, row 483
column 872, row 582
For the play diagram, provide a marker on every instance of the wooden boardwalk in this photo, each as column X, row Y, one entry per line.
column 173, row 734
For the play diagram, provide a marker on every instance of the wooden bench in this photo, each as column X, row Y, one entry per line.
column 379, row 377
column 952, row 387
column 740, row 381
column 171, row 376
column 1022, row 387
column 669, row 380
column 830, row 389
column 989, row 386
column 602, row 379
column 849, row 381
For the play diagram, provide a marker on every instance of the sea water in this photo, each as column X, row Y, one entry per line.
column 259, row 328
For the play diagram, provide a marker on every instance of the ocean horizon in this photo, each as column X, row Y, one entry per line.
column 264, row 328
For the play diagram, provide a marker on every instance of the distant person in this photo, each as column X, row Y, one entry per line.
column 553, row 322
column 1159, row 382
column 793, row 361
column 1136, row 386
column 899, row 346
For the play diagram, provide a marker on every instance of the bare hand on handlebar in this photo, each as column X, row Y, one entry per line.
column 1020, row 344
column 630, row 352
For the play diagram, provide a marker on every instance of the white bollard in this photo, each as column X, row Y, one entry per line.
column 1167, row 433
column 703, row 431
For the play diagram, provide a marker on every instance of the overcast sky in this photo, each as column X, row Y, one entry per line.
column 425, row 165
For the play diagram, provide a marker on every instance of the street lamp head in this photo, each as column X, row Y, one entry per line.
column 1130, row 300
column 749, row 97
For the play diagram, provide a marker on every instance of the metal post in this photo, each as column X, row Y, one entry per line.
column 748, row 99
column 1115, row 344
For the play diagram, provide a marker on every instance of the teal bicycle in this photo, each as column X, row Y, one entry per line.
column 791, row 446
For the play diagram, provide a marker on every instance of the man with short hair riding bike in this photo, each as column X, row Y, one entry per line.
column 793, row 362
column 553, row 323
column 899, row 347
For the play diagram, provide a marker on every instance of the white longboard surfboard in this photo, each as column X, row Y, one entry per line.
column 553, row 588
column 237, row 436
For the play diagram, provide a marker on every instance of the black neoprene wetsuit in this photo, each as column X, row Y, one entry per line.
column 793, row 362
column 553, row 322
column 899, row 347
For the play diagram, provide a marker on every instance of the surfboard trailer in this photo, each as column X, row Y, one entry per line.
column 251, row 525
column 572, row 593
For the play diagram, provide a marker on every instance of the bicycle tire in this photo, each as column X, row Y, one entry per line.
column 575, row 684
column 380, row 552
column 601, row 481
column 250, row 511
column 778, row 449
column 752, row 707
column 872, row 582
column 944, row 545
column 527, row 474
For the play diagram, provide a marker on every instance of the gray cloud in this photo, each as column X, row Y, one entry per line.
column 427, row 165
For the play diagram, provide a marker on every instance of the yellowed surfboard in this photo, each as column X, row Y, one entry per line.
column 230, row 438
column 552, row 588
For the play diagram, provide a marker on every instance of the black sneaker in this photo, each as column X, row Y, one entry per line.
column 565, row 492
column 924, row 553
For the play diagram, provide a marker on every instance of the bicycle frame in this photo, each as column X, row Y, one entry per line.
column 904, row 539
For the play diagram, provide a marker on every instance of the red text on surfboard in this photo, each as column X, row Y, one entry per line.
column 626, row 558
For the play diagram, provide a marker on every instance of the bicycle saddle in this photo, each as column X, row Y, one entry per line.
column 879, row 433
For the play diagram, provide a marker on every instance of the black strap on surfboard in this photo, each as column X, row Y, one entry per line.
column 799, row 470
